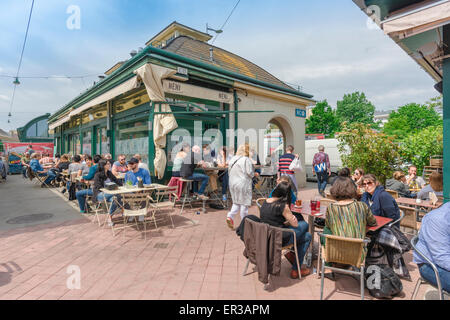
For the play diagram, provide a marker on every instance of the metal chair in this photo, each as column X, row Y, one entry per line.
column 287, row 247
column 343, row 250
column 164, row 199
column 421, row 280
column 135, row 205
column 186, row 189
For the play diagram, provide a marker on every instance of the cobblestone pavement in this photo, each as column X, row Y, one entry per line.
column 200, row 260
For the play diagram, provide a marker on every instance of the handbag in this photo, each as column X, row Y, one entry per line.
column 296, row 165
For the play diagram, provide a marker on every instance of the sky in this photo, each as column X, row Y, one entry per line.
column 324, row 46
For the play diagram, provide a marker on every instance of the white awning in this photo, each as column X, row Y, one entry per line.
column 114, row 92
column 417, row 21
column 55, row 124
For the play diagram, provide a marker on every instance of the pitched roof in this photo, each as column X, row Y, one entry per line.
column 198, row 50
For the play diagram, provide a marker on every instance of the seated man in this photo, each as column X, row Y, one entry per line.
column 134, row 172
column 434, row 240
column 82, row 194
column 38, row 170
column 209, row 162
column 412, row 180
column 188, row 167
column 120, row 166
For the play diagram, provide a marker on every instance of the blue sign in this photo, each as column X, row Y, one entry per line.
column 300, row 113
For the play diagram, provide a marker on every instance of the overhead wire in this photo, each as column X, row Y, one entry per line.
column 217, row 34
column 20, row 61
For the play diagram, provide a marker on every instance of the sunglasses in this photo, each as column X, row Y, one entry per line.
column 367, row 183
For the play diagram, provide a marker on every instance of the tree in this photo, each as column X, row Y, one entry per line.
column 417, row 148
column 355, row 108
column 411, row 118
column 323, row 120
column 374, row 152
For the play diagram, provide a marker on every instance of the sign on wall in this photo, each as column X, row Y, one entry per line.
column 300, row 113
column 189, row 90
column 21, row 147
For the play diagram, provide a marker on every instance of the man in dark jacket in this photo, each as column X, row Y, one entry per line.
column 190, row 162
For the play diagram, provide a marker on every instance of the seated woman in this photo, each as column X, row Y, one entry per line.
column 275, row 211
column 347, row 217
column 104, row 173
column 179, row 158
column 436, row 186
column 357, row 177
column 398, row 183
column 381, row 203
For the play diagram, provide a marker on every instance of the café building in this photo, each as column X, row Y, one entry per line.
column 178, row 81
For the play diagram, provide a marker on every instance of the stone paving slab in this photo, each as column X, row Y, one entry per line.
column 193, row 261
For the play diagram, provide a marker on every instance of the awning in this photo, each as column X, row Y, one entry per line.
column 152, row 76
column 417, row 21
column 55, row 124
column 114, row 92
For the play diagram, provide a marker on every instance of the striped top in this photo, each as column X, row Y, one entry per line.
column 284, row 162
column 349, row 220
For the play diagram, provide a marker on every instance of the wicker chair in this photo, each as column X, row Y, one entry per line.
column 343, row 250
column 421, row 280
column 410, row 218
column 393, row 193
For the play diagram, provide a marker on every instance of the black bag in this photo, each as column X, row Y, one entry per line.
column 217, row 206
column 390, row 283
column 72, row 192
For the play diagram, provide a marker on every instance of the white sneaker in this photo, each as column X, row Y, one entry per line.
column 110, row 223
column 203, row 197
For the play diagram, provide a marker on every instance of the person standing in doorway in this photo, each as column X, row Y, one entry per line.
column 283, row 166
column 321, row 167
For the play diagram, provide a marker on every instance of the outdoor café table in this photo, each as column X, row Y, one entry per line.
column 425, row 204
column 306, row 210
column 122, row 190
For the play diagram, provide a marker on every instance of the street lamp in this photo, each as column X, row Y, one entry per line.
column 216, row 31
column 16, row 81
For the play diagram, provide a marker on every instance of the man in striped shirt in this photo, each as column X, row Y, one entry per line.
column 283, row 166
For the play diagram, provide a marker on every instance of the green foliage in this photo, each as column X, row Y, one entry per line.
column 411, row 118
column 418, row 147
column 323, row 120
column 362, row 147
column 355, row 108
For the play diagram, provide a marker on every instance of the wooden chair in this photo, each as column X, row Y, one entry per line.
column 410, row 218
column 421, row 280
column 393, row 193
column 164, row 200
column 342, row 250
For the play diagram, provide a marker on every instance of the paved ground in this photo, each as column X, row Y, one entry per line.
column 201, row 261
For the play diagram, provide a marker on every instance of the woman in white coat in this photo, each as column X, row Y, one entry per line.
column 241, row 172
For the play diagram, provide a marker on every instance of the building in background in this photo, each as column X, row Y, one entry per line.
column 382, row 117
column 202, row 84
column 36, row 130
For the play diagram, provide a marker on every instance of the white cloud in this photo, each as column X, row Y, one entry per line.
column 4, row 98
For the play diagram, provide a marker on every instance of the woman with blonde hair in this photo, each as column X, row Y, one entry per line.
column 398, row 183
column 435, row 185
column 241, row 172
